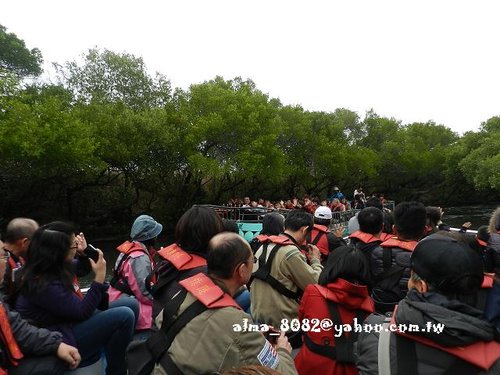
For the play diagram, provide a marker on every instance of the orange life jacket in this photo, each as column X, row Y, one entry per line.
column 14, row 354
column 481, row 354
column 318, row 237
column 207, row 292
column 127, row 248
column 369, row 238
column 181, row 259
column 488, row 280
column 395, row 242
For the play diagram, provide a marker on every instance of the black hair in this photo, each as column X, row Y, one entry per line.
column 230, row 226
column 483, row 234
column 273, row 224
column 196, row 227
column 388, row 222
column 226, row 253
column 410, row 219
column 371, row 220
column 348, row 263
column 433, row 216
column 374, row 202
column 47, row 258
column 298, row 219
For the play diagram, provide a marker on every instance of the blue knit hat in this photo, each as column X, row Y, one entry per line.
column 145, row 228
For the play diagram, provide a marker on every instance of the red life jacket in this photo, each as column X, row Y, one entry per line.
column 369, row 238
column 265, row 262
column 395, row 242
column 181, row 259
column 207, row 292
column 333, row 354
column 488, row 280
column 318, row 236
column 481, row 354
column 13, row 354
column 127, row 248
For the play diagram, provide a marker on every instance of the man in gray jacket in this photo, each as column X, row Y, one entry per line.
column 438, row 329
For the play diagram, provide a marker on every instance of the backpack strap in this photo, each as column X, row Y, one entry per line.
column 384, row 349
column 343, row 351
column 264, row 273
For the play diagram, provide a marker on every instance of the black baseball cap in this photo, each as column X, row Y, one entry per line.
column 445, row 263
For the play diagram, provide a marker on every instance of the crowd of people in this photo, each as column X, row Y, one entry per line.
column 213, row 303
column 336, row 201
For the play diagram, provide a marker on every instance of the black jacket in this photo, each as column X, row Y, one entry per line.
column 463, row 325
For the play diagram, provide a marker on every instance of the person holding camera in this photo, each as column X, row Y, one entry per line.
column 281, row 273
column 50, row 298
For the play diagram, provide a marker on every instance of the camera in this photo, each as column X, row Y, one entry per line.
column 91, row 252
column 272, row 335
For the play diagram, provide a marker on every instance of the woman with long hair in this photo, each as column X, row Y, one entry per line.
column 50, row 298
column 340, row 297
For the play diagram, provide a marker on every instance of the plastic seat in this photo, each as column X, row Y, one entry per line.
column 94, row 369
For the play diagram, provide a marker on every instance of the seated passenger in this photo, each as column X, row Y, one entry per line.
column 132, row 267
column 49, row 297
column 200, row 321
column 27, row 349
column 186, row 257
column 341, row 295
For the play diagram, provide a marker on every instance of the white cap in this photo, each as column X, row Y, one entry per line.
column 323, row 212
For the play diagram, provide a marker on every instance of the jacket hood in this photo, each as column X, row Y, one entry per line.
column 463, row 324
column 349, row 295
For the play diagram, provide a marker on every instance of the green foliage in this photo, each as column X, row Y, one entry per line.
column 111, row 141
column 16, row 58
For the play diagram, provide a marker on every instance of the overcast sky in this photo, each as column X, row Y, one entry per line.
column 420, row 60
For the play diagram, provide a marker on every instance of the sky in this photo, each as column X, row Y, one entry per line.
column 415, row 61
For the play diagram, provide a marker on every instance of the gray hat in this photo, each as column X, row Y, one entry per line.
column 145, row 228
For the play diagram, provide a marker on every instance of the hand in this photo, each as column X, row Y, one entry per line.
column 467, row 225
column 338, row 230
column 282, row 342
column 314, row 252
column 69, row 354
column 81, row 242
column 99, row 267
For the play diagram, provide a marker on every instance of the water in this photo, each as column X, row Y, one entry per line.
column 477, row 215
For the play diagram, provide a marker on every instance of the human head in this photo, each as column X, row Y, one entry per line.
column 4, row 257
column 196, row 227
column 494, row 225
column 409, row 220
column 48, row 256
column 298, row 224
column 18, row 235
column 229, row 225
column 246, row 201
column 446, row 265
column 374, row 202
column 348, row 263
column 323, row 216
column 371, row 220
column 483, row 236
column 434, row 215
column 145, row 229
column 230, row 258
column 273, row 224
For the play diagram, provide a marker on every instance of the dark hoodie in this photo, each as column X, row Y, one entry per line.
column 463, row 325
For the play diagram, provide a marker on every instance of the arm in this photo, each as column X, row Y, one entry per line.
column 33, row 340
column 63, row 303
column 139, row 268
column 295, row 267
column 256, row 350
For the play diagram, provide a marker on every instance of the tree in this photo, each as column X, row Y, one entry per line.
column 109, row 77
column 16, row 58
